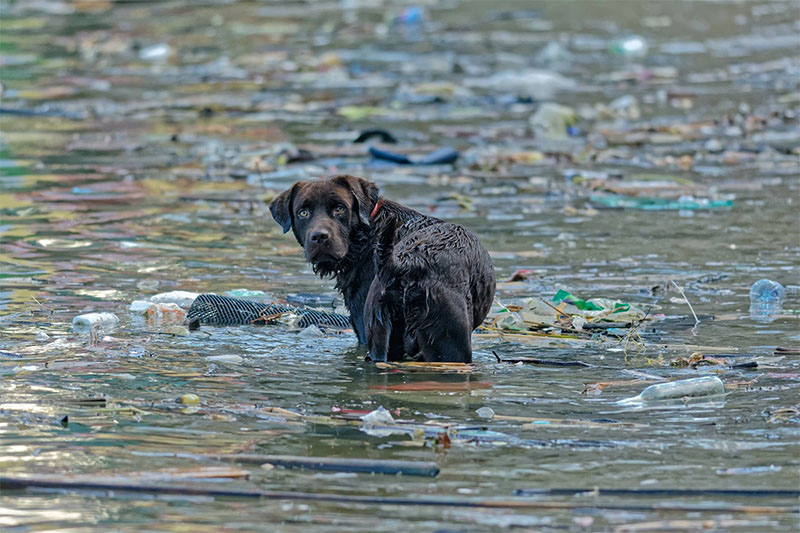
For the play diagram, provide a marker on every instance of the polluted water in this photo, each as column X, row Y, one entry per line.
column 632, row 168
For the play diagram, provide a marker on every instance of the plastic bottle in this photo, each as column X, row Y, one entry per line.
column 90, row 321
column 767, row 292
column 675, row 390
column 766, row 299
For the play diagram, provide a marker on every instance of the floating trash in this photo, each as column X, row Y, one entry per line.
column 689, row 203
column 766, row 299
column 675, row 390
column 94, row 322
column 553, row 120
column 155, row 52
column 442, row 156
column 183, row 299
column 629, row 47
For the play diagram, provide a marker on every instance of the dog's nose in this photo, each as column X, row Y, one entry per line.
column 319, row 236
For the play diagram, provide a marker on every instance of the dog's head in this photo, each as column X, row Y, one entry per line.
column 325, row 215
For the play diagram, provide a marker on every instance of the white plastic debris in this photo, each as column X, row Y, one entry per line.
column 675, row 390
column 377, row 418
column 155, row 52
column 311, row 331
column 94, row 321
column 629, row 46
column 26, row 368
column 182, row 298
column 290, row 320
column 537, row 84
column 139, row 307
column 551, row 120
column 485, row 412
column 626, row 106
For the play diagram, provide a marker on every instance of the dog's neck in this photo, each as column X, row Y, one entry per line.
column 354, row 273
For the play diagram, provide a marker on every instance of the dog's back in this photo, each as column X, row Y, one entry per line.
column 435, row 284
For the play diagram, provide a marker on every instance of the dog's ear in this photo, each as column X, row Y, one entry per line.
column 281, row 207
column 365, row 192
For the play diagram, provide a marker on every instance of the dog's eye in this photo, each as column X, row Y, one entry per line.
column 338, row 210
column 302, row 213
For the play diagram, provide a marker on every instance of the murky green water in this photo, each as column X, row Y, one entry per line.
column 140, row 145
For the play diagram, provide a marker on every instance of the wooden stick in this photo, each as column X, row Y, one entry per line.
column 60, row 483
column 281, row 411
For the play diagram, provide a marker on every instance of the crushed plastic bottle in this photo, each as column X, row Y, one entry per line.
column 511, row 322
column 94, row 321
column 675, row 390
column 766, row 299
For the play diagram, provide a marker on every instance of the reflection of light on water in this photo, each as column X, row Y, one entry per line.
column 98, row 293
column 15, row 448
column 7, row 516
column 148, row 270
column 63, row 243
column 27, row 407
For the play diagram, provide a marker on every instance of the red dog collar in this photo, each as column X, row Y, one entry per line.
column 375, row 209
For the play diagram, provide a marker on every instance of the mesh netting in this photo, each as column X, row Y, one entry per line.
column 215, row 310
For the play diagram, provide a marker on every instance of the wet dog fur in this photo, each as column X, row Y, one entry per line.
column 414, row 285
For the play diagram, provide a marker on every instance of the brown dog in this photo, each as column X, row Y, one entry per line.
column 414, row 284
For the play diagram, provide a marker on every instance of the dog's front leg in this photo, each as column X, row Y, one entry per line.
column 378, row 323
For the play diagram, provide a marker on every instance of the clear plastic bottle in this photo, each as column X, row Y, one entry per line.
column 766, row 291
column 766, row 299
column 674, row 390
